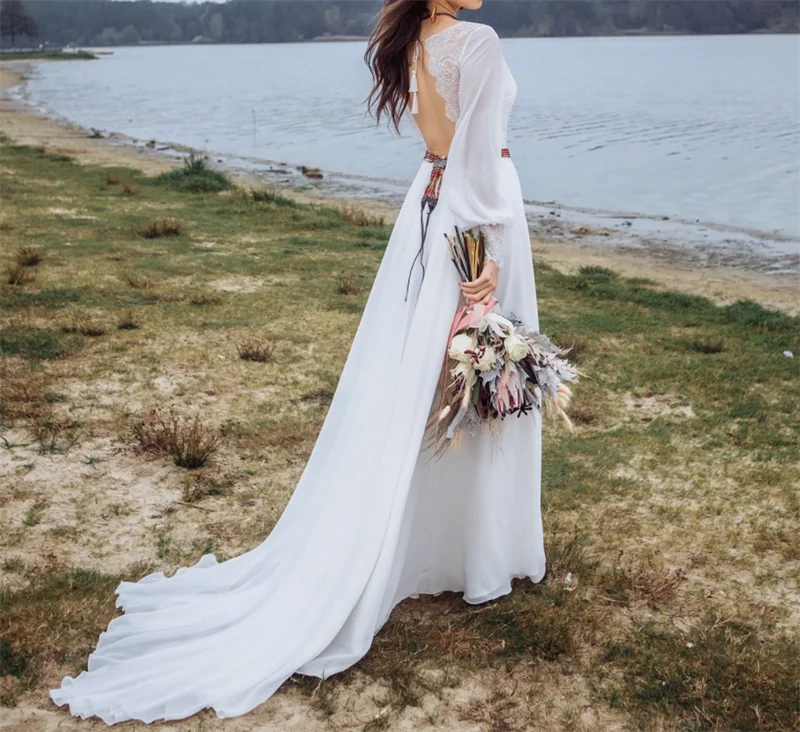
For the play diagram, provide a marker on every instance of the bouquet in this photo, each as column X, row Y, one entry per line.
column 495, row 365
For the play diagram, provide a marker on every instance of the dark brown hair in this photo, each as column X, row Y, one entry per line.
column 387, row 57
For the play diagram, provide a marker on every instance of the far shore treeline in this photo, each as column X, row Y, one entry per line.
column 106, row 23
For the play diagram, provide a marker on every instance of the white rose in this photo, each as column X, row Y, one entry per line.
column 459, row 346
column 487, row 360
column 516, row 347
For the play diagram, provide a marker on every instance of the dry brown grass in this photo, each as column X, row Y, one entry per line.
column 138, row 282
column 258, row 351
column 637, row 580
column 158, row 228
column 54, row 621
column 186, row 439
column 113, row 179
column 29, row 256
column 22, row 392
column 18, row 274
column 360, row 217
column 81, row 323
column 205, row 298
column 57, row 435
column 348, row 286
column 166, row 295
column 128, row 322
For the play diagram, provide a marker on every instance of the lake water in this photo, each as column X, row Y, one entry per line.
column 694, row 128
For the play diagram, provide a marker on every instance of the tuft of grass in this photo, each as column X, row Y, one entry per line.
column 273, row 196
column 347, row 286
column 755, row 315
column 29, row 256
column 18, row 274
column 186, row 439
column 583, row 414
column 128, row 322
column 137, row 282
column 158, row 228
column 91, row 329
column 14, row 564
column 57, row 436
column 359, row 217
column 205, row 298
column 630, row 581
column 323, row 396
column 723, row 674
column 84, row 326
column 196, row 176
column 130, row 190
column 33, row 516
column 113, row 179
column 706, row 345
column 261, row 352
column 167, row 296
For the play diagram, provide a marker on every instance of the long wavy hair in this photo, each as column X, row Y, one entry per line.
column 387, row 57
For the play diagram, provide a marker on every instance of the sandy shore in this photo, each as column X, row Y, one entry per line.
column 670, row 267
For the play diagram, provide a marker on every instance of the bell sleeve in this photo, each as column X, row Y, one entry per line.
column 474, row 164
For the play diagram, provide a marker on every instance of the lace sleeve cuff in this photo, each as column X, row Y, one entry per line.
column 493, row 238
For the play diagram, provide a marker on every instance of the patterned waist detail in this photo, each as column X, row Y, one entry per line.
column 429, row 200
column 431, row 158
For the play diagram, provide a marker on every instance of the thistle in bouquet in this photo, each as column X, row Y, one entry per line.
column 495, row 366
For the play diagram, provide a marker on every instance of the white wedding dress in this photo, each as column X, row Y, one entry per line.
column 373, row 519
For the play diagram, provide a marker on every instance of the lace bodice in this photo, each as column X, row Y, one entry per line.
column 442, row 53
column 443, row 59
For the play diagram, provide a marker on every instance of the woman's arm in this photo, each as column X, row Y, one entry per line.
column 474, row 163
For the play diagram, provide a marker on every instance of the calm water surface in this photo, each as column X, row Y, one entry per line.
column 701, row 128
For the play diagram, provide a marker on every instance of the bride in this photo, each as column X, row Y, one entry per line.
column 375, row 517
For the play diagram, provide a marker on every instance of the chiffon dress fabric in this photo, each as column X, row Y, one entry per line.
column 374, row 518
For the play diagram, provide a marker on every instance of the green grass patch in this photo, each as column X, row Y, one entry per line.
column 196, row 176
column 46, row 56
column 37, row 343
column 723, row 674
column 55, row 619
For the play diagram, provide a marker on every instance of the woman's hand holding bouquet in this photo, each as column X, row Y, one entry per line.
column 495, row 365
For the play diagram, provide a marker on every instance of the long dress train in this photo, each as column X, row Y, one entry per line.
column 373, row 519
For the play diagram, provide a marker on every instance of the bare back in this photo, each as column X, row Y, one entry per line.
column 435, row 116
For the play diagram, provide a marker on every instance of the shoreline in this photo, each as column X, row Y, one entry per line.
column 630, row 245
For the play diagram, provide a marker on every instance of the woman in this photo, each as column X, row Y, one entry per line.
column 373, row 519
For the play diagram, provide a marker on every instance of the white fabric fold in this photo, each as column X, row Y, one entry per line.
column 478, row 195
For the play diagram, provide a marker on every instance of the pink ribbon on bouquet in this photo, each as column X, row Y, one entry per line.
column 469, row 318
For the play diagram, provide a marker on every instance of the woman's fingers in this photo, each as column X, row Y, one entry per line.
column 477, row 294
column 478, row 284
column 482, row 295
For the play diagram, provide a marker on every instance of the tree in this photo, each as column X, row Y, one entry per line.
column 15, row 21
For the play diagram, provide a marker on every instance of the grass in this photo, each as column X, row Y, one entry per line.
column 256, row 351
column 186, row 439
column 670, row 513
column 46, row 56
column 721, row 674
column 168, row 226
column 196, row 176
